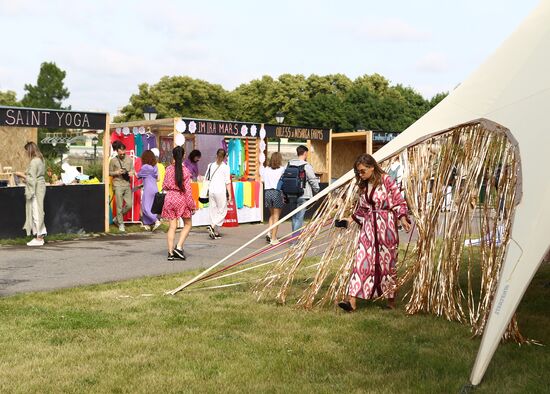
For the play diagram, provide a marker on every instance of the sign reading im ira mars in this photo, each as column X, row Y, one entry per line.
column 50, row 118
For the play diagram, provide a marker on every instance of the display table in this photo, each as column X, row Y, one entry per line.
column 67, row 208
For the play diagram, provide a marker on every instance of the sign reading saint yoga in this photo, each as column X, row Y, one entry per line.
column 51, row 119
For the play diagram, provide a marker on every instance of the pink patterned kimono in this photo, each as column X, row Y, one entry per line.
column 377, row 214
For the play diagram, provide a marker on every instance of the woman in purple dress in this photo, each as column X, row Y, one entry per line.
column 149, row 174
column 192, row 163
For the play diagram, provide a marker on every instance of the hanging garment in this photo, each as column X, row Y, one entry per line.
column 242, row 161
column 149, row 141
column 161, row 171
column 235, row 157
column 256, row 185
column 239, row 194
column 139, row 145
column 246, row 159
column 128, row 141
column 114, row 137
column 231, row 155
column 133, row 215
column 195, row 192
column 247, row 192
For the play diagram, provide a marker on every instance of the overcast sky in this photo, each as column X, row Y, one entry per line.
column 108, row 47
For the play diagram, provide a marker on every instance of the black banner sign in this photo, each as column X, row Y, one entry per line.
column 378, row 136
column 218, row 127
column 303, row 133
column 244, row 129
column 51, row 119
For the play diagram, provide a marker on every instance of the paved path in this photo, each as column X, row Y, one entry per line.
column 113, row 258
column 119, row 257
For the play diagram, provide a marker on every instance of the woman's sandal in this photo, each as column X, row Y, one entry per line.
column 346, row 305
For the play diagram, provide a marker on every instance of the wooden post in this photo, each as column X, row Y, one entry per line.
column 369, row 142
column 329, row 157
column 106, row 178
column 174, row 132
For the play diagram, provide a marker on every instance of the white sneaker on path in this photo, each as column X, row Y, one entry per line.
column 36, row 242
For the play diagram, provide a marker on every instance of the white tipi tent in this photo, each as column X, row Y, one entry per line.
column 511, row 88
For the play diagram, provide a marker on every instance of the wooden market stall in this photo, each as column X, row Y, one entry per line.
column 206, row 136
column 333, row 158
column 68, row 208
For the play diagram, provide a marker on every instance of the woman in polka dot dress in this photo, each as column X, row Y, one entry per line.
column 178, row 203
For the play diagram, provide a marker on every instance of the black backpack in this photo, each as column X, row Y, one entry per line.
column 293, row 180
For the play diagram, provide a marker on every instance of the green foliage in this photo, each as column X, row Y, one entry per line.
column 49, row 92
column 327, row 111
column 331, row 101
column 94, row 170
column 9, row 98
column 179, row 96
column 437, row 99
column 52, row 162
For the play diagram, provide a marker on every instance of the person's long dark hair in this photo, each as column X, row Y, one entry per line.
column 368, row 161
column 178, row 153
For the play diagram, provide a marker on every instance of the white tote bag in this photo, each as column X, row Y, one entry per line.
column 203, row 195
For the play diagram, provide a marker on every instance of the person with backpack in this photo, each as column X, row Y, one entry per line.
column 299, row 183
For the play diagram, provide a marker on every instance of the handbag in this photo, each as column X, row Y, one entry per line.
column 158, row 203
column 203, row 196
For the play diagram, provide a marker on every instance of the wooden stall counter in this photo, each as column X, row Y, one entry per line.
column 68, row 209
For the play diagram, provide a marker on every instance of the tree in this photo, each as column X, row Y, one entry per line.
column 179, row 96
column 437, row 99
column 255, row 101
column 49, row 92
column 326, row 111
column 332, row 101
column 9, row 98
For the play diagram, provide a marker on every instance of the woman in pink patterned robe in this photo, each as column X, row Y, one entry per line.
column 378, row 211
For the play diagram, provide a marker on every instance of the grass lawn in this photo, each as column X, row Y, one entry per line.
column 129, row 338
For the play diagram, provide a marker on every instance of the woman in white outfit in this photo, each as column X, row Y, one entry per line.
column 219, row 192
column 35, row 191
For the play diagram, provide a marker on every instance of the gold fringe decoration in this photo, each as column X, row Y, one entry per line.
column 460, row 183
column 482, row 165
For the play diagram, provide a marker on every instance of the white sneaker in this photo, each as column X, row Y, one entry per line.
column 36, row 242
column 146, row 227
column 274, row 241
column 157, row 225
column 121, row 228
